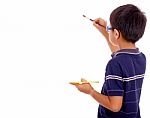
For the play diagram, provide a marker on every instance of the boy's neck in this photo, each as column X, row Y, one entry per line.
column 127, row 45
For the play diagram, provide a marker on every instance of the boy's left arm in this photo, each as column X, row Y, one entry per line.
column 113, row 103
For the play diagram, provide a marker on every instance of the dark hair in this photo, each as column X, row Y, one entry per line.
column 130, row 21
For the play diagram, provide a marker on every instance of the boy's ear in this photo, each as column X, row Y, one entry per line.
column 116, row 34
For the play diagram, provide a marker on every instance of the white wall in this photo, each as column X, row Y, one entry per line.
column 44, row 44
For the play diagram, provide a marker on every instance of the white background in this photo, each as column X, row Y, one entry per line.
column 44, row 44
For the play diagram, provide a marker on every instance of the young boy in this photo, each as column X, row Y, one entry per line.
column 124, row 74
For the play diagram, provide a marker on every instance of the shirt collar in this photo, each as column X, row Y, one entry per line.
column 126, row 51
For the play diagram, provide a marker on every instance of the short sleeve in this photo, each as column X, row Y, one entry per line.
column 113, row 79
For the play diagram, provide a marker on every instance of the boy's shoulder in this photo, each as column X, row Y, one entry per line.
column 124, row 64
column 118, row 57
column 127, row 55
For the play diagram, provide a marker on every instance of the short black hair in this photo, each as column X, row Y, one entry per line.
column 130, row 21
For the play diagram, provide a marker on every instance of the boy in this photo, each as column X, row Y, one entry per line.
column 124, row 74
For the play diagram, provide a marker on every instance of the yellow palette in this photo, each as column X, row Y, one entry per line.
column 84, row 82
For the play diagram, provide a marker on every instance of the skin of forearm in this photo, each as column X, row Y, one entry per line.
column 102, row 99
column 106, row 35
column 112, row 48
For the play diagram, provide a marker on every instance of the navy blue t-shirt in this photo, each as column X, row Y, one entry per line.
column 124, row 77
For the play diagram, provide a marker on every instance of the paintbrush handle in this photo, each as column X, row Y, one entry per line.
column 93, row 20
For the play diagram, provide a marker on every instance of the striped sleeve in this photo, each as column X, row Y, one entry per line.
column 113, row 79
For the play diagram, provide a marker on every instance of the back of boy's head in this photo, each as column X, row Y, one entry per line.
column 130, row 21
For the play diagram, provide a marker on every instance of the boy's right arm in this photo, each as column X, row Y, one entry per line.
column 102, row 29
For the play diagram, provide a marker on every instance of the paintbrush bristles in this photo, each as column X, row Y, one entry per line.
column 84, row 16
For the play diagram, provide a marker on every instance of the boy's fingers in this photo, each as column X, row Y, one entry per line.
column 99, row 22
column 96, row 25
column 96, row 21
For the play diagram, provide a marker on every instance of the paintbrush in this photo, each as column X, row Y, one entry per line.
column 93, row 20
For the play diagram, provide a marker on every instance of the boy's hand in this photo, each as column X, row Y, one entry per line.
column 85, row 87
column 98, row 22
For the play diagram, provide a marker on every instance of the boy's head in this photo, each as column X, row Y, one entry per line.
column 129, row 21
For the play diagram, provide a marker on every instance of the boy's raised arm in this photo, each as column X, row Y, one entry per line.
column 97, row 23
